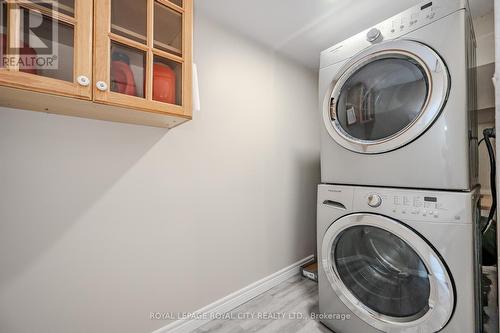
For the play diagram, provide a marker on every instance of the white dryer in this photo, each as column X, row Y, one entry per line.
column 398, row 102
column 398, row 261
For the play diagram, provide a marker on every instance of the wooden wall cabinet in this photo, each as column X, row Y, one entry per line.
column 119, row 60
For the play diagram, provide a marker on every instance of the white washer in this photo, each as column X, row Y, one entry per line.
column 398, row 261
column 398, row 99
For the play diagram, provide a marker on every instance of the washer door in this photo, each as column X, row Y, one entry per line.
column 387, row 274
column 386, row 97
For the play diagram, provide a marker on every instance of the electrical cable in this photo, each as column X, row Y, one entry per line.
column 487, row 135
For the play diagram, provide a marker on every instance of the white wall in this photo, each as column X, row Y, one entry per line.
column 484, row 29
column 102, row 223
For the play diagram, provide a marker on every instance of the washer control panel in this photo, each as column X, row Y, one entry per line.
column 415, row 205
column 418, row 205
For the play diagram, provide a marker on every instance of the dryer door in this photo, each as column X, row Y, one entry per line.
column 386, row 97
column 387, row 274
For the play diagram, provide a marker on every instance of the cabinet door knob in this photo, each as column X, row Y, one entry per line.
column 83, row 80
column 101, row 85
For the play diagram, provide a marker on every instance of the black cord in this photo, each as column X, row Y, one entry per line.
column 488, row 134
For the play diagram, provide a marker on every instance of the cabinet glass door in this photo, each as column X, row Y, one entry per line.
column 3, row 31
column 143, row 55
column 47, row 46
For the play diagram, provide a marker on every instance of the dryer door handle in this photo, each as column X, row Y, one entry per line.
column 334, row 204
column 333, row 108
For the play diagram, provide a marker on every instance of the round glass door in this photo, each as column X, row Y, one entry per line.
column 382, row 98
column 388, row 275
column 382, row 271
column 386, row 97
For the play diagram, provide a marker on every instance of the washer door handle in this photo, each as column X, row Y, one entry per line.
column 334, row 204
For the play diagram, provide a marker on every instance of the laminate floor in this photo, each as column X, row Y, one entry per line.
column 294, row 300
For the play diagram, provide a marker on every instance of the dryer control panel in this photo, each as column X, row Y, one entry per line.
column 393, row 28
column 414, row 18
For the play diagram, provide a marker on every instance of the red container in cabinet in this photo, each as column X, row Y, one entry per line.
column 164, row 83
column 122, row 77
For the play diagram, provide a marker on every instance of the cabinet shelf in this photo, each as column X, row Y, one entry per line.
column 170, row 48
column 59, row 16
column 128, row 32
column 142, row 38
column 67, row 106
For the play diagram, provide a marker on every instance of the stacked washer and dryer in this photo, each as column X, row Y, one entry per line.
column 398, row 210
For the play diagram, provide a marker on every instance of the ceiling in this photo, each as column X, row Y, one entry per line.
column 301, row 29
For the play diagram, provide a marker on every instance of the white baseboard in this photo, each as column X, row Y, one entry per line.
column 235, row 299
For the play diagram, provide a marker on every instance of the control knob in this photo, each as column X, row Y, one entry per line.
column 373, row 35
column 374, row 200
